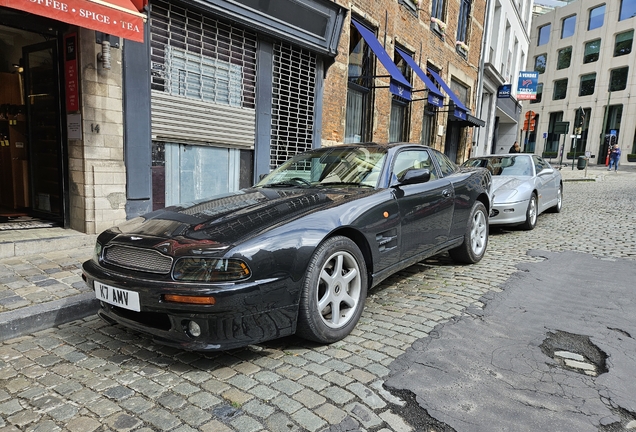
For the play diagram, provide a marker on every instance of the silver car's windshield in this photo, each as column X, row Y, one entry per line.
column 330, row 166
column 517, row 166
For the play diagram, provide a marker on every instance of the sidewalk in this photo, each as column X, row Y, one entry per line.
column 41, row 282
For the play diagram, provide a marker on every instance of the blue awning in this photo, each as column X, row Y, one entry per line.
column 460, row 110
column 399, row 86
column 435, row 97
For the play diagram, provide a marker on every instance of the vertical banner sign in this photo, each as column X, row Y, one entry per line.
column 70, row 72
column 527, row 86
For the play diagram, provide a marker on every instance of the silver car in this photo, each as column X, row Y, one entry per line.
column 523, row 187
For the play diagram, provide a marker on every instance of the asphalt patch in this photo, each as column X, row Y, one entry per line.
column 495, row 370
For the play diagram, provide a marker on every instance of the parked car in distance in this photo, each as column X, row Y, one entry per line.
column 523, row 187
column 296, row 253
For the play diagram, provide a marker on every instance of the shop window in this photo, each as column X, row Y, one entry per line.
column 612, row 126
column 623, row 43
column 397, row 125
column 628, row 9
column 581, row 127
column 568, row 26
column 564, row 58
column 359, row 91
column 539, row 94
column 560, row 89
column 531, row 137
column 544, row 34
column 428, row 123
column 540, row 62
column 552, row 141
column 618, row 79
column 592, row 50
column 597, row 16
column 588, row 82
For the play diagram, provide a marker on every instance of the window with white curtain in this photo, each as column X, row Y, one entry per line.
column 353, row 124
column 397, row 121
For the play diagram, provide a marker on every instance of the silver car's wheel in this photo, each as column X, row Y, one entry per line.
column 531, row 214
column 559, row 205
column 334, row 291
column 475, row 242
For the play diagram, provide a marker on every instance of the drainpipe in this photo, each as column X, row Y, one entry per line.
column 480, row 75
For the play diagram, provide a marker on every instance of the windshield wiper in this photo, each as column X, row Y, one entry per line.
column 345, row 184
column 285, row 184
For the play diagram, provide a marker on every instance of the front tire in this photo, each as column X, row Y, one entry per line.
column 334, row 291
column 473, row 248
column 531, row 214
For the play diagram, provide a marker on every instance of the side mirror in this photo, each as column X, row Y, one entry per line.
column 414, row 176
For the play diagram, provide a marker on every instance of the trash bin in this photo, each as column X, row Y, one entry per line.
column 581, row 163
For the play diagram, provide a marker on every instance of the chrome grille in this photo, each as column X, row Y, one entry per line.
column 144, row 260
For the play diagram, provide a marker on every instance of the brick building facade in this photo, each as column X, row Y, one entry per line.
column 401, row 23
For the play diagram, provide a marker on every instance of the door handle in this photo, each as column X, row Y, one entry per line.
column 446, row 193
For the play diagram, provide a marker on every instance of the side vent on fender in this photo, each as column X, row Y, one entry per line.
column 386, row 240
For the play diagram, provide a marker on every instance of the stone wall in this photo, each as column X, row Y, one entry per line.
column 96, row 164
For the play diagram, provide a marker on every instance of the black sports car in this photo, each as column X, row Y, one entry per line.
column 294, row 254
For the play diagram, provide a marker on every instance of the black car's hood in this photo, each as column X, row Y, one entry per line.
column 221, row 222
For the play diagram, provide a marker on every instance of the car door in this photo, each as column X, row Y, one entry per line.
column 425, row 208
column 545, row 183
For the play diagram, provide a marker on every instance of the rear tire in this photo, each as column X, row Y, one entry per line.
column 334, row 291
column 473, row 248
column 559, row 205
column 531, row 214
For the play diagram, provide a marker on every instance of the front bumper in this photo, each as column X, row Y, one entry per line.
column 244, row 313
column 509, row 213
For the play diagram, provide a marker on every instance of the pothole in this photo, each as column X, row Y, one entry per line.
column 575, row 352
column 415, row 415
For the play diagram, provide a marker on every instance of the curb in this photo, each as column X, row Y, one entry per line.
column 42, row 316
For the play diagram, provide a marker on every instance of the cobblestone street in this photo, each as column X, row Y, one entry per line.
column 88, row 376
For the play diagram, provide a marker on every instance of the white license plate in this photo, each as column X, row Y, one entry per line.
column 117, row 296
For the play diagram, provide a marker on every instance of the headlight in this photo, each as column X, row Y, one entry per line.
column 505, row 196
column 210, row 270
column 97, row 252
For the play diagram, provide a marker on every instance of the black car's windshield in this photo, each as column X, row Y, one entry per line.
column 517, row 166
column 330, row 166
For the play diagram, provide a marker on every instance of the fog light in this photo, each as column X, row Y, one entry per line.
column 194, row 329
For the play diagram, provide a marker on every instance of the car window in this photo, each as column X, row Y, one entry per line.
column 539, row 164
column 358, row 166
column 503, row 165
column 445, row 164
column 413, row 159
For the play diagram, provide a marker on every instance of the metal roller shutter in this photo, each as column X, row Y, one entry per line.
column 293, row 102
column 203, row 79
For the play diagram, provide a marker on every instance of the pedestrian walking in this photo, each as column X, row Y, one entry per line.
column 515, row 148
column 615, row 156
